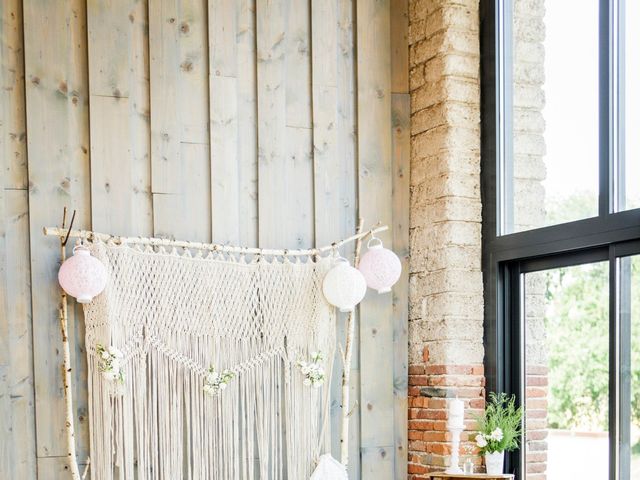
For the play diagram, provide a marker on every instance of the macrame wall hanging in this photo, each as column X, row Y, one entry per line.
column 208, row 361
column 183, row 325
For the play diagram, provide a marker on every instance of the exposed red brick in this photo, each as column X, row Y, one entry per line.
column 439, row 448
column 537, row 381
column 415, row 468
column 536, row 392
column 421, row 425
column 432, row 414
column 448, row 369
column 421, row 380
column 437, row 403
column 436, row 436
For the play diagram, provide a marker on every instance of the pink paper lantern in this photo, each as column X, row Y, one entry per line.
column 380, row 267
column 82, row 276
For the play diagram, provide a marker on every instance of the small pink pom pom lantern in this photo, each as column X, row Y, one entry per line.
column 380, row 267
column 82, row 276
column 344, row 286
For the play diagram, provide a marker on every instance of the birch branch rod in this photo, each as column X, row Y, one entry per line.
column 214, row 247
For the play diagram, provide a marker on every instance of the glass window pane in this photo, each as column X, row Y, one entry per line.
column 552, row 166
column 629, row 183
column 630, row 366
column 567, row 372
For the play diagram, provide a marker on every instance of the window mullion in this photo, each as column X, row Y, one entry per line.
column 614, row 366
column 606, row 101
column 619, row 183
column 623, row 316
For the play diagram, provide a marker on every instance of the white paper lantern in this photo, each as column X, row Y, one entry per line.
column 82, row 276
column 344, row 286
column 380, row 266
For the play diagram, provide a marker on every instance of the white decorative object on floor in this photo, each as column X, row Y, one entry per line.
column 329, row 469
column 455, row 425
column 494, row 462
column 180, row 318
column 344, row 286
column 82, row 276
column 380, row 267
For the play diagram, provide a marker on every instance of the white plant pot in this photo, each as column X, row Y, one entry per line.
column 494, row 462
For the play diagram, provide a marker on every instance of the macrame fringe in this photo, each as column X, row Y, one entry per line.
column 175, row 316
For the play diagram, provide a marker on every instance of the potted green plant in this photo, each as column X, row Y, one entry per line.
column 499, row 430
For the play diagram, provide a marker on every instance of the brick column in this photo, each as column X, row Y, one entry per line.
column 446, row 304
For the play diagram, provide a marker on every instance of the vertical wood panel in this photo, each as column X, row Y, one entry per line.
column 55, row 468
column 17, row 430
column 401, row 111
column 401, row 141
column 16, row 360
column 12, row 105
column 334, row 173
column 234, row 154
column 179, row 119
column 284, row 146
column 119, row 111
column 57, row 123
column 296, row 171
column 375, row 202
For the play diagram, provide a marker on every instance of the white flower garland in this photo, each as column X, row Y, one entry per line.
column 217, row 382
column 313, row 370
column 110, row 363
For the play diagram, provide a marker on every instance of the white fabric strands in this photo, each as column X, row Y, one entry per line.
column 177, row 322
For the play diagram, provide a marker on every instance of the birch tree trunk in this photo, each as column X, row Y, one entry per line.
column 66, row 371
column 346, row 362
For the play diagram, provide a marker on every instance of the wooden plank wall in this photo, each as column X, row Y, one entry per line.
column 273, row 123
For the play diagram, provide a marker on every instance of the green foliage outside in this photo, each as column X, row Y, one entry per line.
column 577, row 331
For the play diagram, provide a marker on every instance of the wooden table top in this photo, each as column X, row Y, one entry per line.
column 462, row 476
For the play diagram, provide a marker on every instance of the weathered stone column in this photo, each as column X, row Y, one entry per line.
column 446, row 297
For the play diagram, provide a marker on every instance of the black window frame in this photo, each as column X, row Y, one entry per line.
column 507, row 257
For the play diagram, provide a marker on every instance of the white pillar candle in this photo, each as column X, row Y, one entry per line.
column 456, row 413
column 455, row 425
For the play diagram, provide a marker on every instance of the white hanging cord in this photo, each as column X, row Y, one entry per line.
column 214, row 247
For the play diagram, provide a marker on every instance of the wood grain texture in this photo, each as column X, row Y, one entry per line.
column 401, row 166
column 17, row 412
column 334, row 172
column 119, row 109
column 375, row 202
column 18, row 443
column 13, row 141
column 400, row 46
column 232, row 90
column 401, row 144
column 55, row 468
column 285, row 172
column 179, row 64
column 58, row 147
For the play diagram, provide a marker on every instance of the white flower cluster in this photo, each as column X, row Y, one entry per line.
column 482, row 440
column 110, row 363
column 313, row 371
column 216, row 382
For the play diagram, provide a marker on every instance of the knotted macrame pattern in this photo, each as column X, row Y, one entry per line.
column 173, row 315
